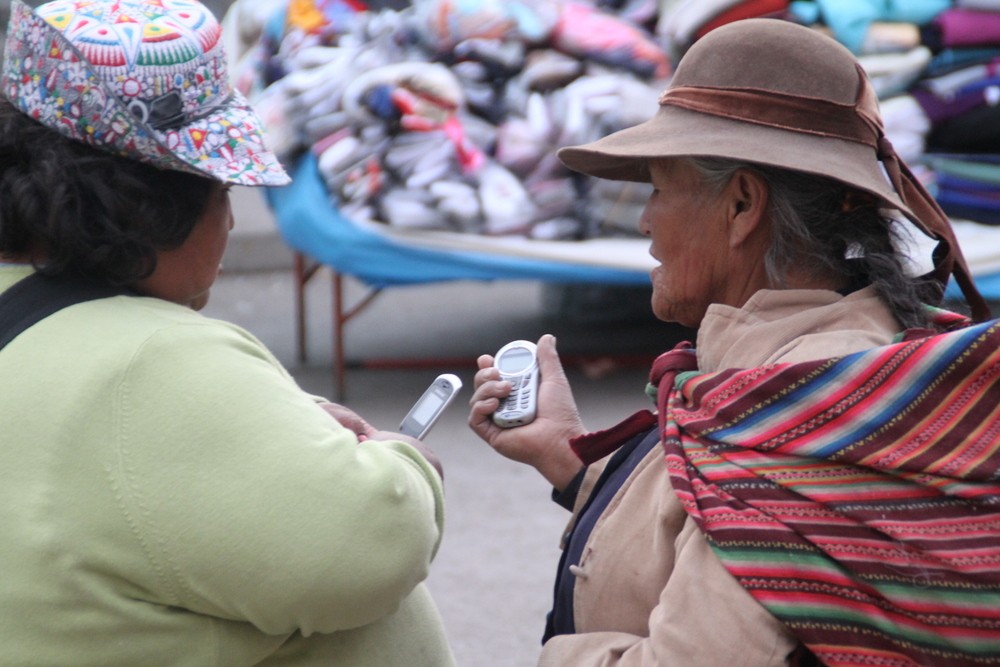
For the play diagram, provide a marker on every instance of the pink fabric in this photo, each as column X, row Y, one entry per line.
column 964, row 27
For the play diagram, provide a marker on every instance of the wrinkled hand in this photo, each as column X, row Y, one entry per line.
column 544, row 443
column 349, row 419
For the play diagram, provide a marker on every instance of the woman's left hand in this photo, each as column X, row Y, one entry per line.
column 352, row 420
column 349, row 419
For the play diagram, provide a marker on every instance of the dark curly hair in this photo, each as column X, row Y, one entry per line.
column 85, row 212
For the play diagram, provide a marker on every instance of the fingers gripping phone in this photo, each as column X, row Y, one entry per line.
column 421, row 417
column 517, row 362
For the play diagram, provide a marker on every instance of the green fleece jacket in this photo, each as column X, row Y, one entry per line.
column 169, row 496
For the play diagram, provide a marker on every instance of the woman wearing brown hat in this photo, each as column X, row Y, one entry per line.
column 769, row 218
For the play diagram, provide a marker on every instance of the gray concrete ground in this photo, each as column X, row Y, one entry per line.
column 493, row 575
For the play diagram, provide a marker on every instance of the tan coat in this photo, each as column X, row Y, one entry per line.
column 649, row 590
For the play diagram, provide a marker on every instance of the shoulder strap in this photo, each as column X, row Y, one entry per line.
column 36, row 297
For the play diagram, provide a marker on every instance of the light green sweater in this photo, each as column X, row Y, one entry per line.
column 169, row 496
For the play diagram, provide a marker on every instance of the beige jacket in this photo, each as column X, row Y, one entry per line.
column 649, row 590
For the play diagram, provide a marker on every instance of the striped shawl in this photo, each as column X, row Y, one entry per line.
column 857, row 499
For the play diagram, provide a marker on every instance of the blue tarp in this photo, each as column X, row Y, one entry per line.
column 312, row 225
column 989, row 287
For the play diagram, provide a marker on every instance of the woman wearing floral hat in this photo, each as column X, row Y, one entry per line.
column 168, row 495
column 807, row 510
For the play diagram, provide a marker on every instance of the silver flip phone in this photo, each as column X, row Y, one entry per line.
column 421, row 417
column 518, row 364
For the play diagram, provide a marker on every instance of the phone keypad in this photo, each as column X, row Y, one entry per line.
column 518, row 397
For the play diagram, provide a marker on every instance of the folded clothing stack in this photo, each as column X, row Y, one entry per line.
column 446, row 115
column 682, row 22
column 935, row 65
column 961, row 97
column 968, row 186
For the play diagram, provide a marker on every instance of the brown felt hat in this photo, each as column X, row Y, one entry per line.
column 776, row 93
column 756, row 54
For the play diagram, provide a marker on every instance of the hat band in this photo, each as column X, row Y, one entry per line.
column 859, row 123
column 780, row 110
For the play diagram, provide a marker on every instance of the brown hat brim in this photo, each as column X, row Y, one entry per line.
column 677, row 132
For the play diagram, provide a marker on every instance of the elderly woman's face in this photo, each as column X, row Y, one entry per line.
column 688, row 231
column 186, row 274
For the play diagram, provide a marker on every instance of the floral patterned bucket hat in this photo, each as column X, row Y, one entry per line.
column 144, row 79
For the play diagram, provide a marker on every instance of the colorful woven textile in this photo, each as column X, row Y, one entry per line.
column 145, row 79
column 857, row 499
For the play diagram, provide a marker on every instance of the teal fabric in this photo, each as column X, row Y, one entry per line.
column 980, row 172
column 849, row 19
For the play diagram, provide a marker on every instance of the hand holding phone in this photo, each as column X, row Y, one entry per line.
column 421, row 417
column 543, row 444
column 517, row 362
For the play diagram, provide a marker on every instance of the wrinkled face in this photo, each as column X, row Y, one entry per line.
column 186, row 274
column 687, row 227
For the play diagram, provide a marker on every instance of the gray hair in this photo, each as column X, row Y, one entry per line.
column 813, row 230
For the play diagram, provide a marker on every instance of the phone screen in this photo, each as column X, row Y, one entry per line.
column 515, row 360
column 428, row 407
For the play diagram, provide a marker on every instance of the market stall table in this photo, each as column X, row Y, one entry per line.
column 382, row 256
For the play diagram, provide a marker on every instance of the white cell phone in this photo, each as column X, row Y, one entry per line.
column 421, row 417
column 517, row 362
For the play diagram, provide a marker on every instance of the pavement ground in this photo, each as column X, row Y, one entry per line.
column 492, row 578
